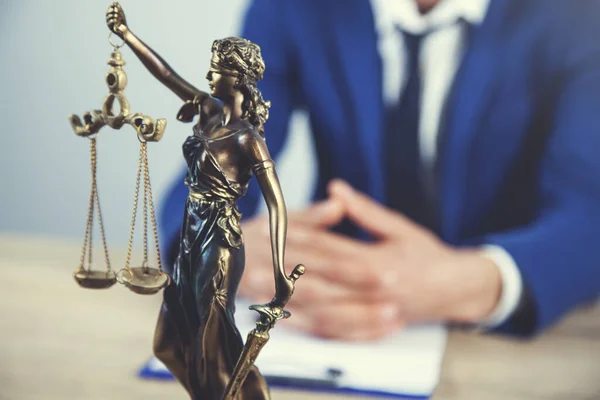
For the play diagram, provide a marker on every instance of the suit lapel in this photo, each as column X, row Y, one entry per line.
column 471, row 94
column 355, row 56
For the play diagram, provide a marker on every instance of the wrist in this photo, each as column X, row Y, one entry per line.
column 480, row 283
column 122, row 31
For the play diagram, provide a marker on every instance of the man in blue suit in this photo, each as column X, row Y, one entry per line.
column 458, row 161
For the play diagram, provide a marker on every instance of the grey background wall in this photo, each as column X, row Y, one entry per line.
column 54, row 57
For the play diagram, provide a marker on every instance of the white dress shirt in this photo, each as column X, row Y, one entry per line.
column 441, row 53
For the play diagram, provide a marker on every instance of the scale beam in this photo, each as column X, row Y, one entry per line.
column 148, row 129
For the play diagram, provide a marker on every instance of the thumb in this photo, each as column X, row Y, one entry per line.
column 375, row 218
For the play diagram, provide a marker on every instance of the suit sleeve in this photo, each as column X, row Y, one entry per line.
column 264, row 24
column 558, row 255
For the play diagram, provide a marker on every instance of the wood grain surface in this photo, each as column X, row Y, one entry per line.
column 58, row 341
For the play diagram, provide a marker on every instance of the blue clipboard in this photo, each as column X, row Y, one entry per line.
column 325, row 385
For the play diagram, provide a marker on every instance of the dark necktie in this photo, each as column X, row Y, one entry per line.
column 405, row 191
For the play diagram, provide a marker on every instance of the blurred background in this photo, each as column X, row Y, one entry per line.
column 55, row 56
column 54, row 63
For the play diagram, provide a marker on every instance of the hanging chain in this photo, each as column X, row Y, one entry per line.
column 85, row 243
column 101, row 225
column 144, row 149
column 91, row 229
column 94, row 203
column 87, row 240
column 135, row 205
column 94, row 162
column 148, row 208
column 148, row 189
column 97, row 205
column 90, row 216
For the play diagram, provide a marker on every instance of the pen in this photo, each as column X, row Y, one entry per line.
column 308, row 383
column 329, row 382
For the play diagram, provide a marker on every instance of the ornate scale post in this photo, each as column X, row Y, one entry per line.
column 143, row 279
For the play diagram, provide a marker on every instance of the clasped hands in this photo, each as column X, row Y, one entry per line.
column 356, row 290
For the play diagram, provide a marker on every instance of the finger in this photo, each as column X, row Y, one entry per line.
column 299, row 250
column 365, row 270
column 315, row 290
column 325, row 241
column 259, row 274
column 258, row 279
column 328, row 277
column 112, row 10
column 347, row 320
column 320, row 214
column 341, row 260
column 323, row 213
column 338, row 259
column 369, row 214
column 310, row 291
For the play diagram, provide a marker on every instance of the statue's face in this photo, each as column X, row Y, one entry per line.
column 221, row 86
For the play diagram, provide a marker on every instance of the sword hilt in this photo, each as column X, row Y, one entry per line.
column 298, row 271
column 272, row 312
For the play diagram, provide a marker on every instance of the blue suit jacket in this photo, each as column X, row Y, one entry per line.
column 519, row 164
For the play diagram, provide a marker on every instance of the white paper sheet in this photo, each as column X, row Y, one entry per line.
column 405, row 363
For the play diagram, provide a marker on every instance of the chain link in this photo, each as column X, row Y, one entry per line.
column 148, row 189
column 91, row 230
column 135, row 206
column 101, row 225
column 90, row 216
column 144, row 149
column 94, row 162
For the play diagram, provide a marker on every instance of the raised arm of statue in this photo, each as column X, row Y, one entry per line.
column 115, row 19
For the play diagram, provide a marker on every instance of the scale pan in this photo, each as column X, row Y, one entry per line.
column 95, row 279
column 144, row 280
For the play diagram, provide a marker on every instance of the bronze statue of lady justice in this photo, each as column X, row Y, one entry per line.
column 196, row 336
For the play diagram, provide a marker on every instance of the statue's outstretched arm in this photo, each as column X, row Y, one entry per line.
column 115, row 19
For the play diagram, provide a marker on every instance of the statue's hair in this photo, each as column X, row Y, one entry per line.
column 243, row 58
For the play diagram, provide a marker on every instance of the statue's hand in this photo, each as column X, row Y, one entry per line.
column 115, row 19
column 286, row 286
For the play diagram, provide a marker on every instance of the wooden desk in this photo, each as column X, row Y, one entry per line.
column 58, row 341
